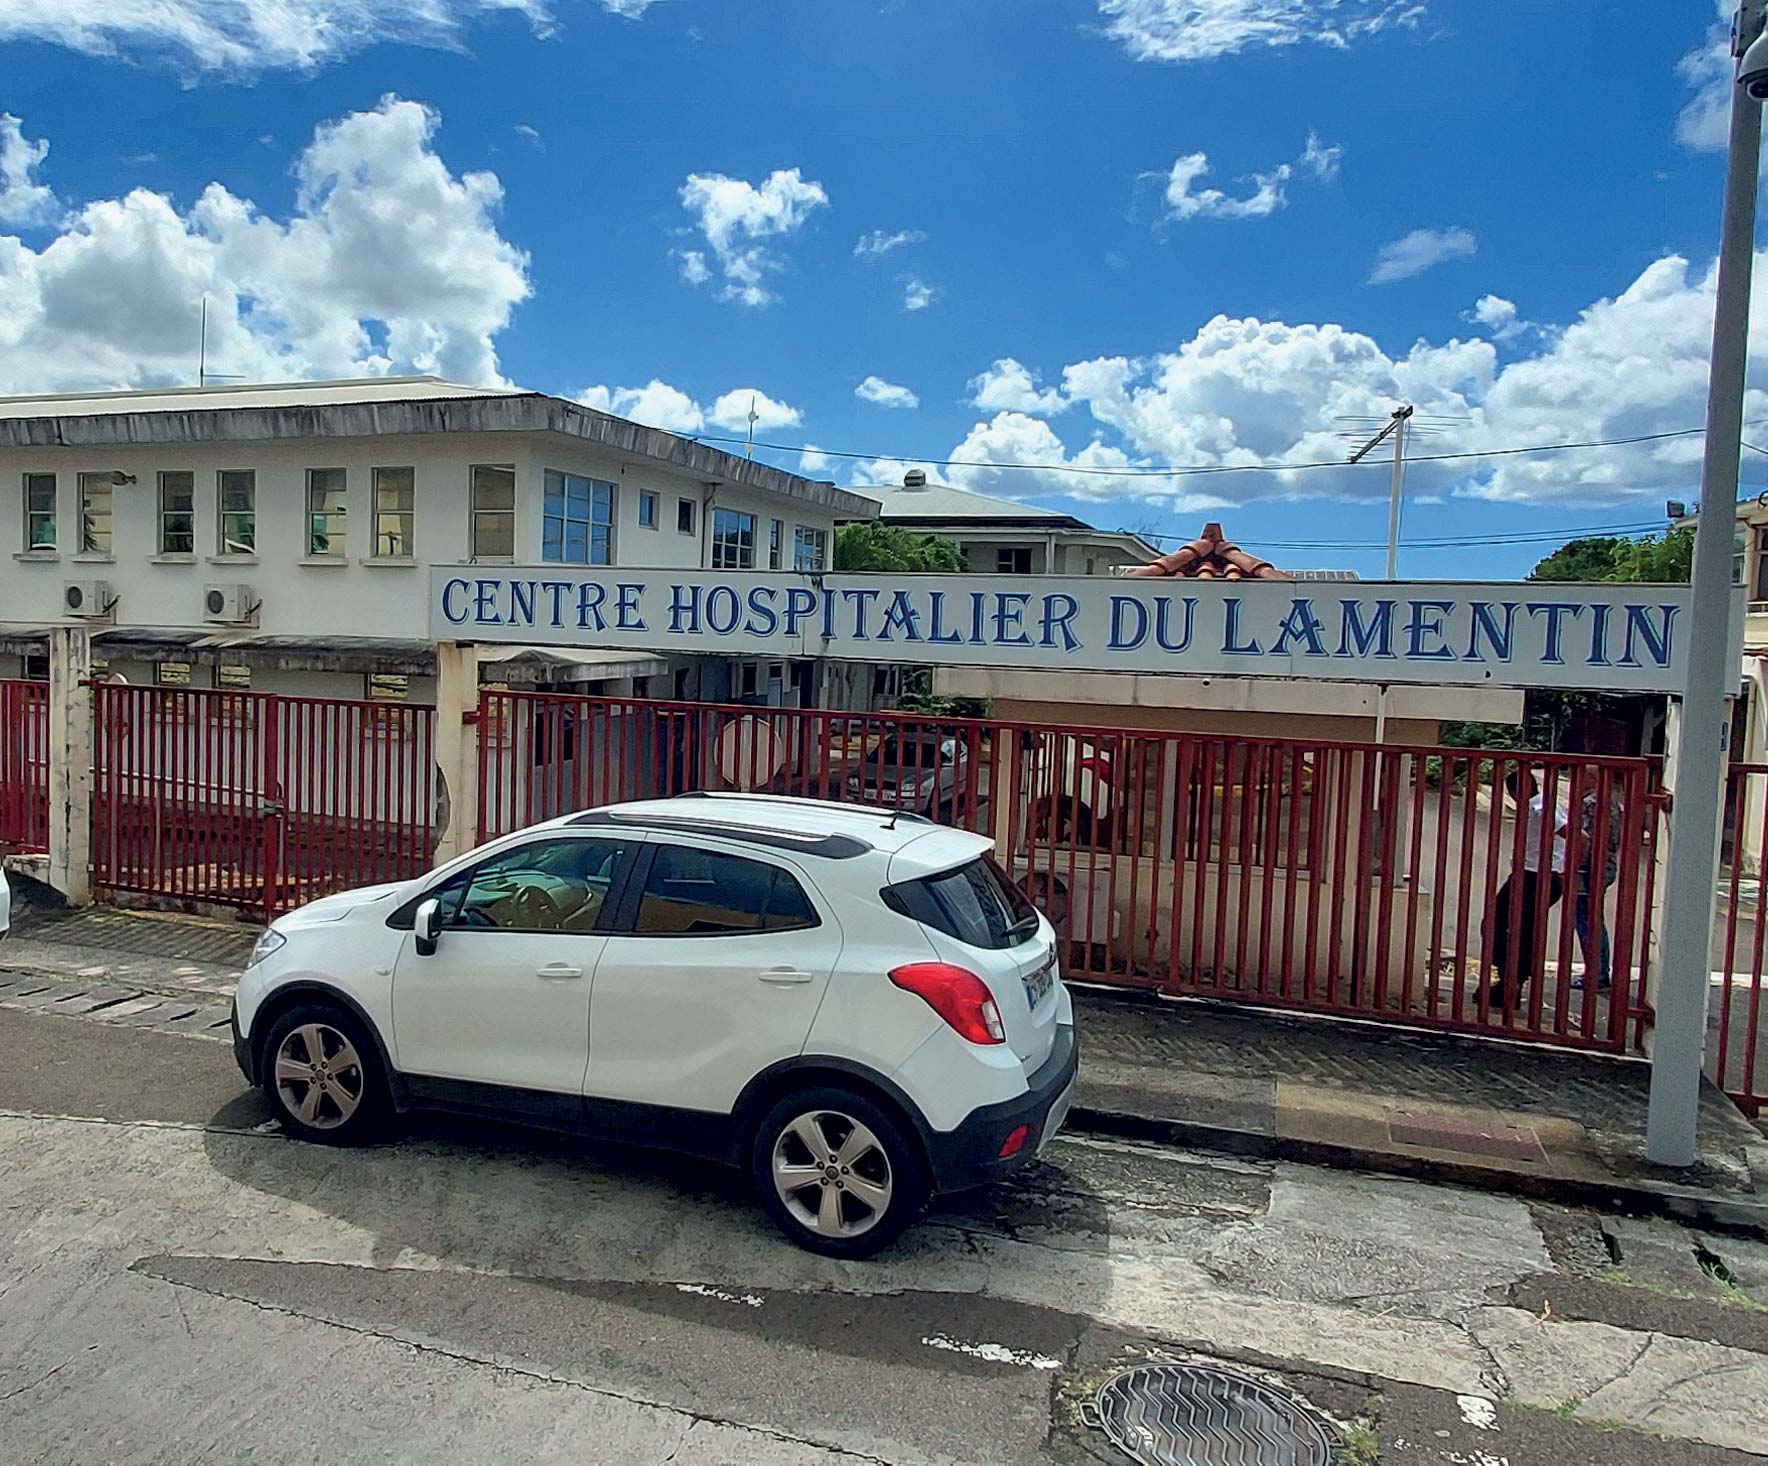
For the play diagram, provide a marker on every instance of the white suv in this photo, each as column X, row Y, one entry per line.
column 855, row 1004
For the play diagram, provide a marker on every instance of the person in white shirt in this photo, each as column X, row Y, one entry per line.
column 1521, row 901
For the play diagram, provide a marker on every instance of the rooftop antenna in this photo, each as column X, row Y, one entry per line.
column 754, row 417
column 203, row 375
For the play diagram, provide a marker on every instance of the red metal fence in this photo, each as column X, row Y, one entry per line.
column 24, row 767
column 256, row 800
column 1387, row 883
column 1737, row 1039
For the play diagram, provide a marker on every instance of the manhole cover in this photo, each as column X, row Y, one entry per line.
column 1189, row 1415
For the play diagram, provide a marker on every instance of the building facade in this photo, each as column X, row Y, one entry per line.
column 279, row 537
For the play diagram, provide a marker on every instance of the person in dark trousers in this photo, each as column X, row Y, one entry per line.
column 1591, row 897
column 1526, row 891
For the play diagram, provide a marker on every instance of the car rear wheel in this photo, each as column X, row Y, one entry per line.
column 322, row 1076
column 837, row 1172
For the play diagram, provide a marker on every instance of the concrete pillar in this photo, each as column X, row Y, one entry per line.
column 70, row 763
column 457, row 744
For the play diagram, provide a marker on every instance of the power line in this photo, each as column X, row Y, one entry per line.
column 1195, row 470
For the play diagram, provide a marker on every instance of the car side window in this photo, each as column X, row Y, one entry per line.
column 546, row 885
column 696, row 893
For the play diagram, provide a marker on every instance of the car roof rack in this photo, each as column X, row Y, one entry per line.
column 798, row 799
column 829, row 847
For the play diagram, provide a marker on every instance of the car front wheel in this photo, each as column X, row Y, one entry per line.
column 837, row 1172
column 322, row 1076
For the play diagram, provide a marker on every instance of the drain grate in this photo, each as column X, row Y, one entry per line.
column 1192, row 1415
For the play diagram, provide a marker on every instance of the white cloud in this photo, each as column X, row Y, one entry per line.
column 23, row 200
column 1243, row 392
column 732, row 411
column 1269, row 190
column 657, row 405
column 522, row 129
column 813, row 461
column 388, row 261
column 917, row 294
column 1705, row 121
column 1421, row 250
column 1008, row 385
column 245, row 37
column 878, row 242
column 1199, row 30
column 1499, row 316
column 733, row 214
column 1320, row 160
column 885, row 394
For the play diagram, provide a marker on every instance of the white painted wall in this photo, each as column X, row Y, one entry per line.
column 357, row 595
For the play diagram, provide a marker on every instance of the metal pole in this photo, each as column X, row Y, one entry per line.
column 1393, row 544
column 1681, row 1007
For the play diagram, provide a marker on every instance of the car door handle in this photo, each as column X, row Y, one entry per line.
column 786, row 975
column 558, row 969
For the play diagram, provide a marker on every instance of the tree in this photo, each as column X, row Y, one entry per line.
column 877, row 546
column 1653, row 557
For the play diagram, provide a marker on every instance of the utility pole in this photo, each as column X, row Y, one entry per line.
column 1396, row 427
column 1680, row 1030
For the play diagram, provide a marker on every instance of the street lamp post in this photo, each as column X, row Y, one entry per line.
column 1680, row 1029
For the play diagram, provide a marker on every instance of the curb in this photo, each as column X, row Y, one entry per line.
column 1684, row 1204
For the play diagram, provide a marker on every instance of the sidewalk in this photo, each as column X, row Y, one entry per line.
column 1537, row 1121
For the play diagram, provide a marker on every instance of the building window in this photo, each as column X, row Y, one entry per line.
column 39, row 511
column 388, row 687
column 177, row 512
column 684, row 515
column 733, row 540
column 1013, row 562
column 95, row 513
column 234, row 675
column 776, row 543
column 325, row 512
column 1740, row 543
column 172, row 674
column 577, row 523
column 647, row 510
column 395, row 491
column 236, row 496
column 494, row 511
column 810, row 548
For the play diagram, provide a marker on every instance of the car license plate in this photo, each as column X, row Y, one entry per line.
column 1039, row 983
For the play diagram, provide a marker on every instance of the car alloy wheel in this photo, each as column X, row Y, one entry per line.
column 319, row 1076
column 832, row 1174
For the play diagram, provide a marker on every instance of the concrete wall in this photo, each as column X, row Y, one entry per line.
column 358, row 594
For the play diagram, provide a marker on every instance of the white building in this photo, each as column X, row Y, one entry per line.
column 1000, row 537
column 279, row 537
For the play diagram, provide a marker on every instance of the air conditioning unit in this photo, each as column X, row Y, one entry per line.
column 228, row 604
column 86, row 598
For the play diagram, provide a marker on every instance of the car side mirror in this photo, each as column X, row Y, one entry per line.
column 426, row 924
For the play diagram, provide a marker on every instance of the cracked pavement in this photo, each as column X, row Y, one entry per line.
column 180, row 1283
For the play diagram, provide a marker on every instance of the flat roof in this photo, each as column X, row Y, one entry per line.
column 379, row 407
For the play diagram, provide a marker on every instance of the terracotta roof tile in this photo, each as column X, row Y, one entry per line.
column 1211, row 556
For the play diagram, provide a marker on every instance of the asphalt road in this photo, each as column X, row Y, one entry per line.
column 181, row 1283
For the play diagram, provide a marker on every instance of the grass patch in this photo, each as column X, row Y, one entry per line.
column 1358, row 1445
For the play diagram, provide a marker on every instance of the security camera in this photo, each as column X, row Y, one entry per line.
column 1752, row 70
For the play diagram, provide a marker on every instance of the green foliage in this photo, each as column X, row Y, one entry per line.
column 1666, row 557
column 882, row 547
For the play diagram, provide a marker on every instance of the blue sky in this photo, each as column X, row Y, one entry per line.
column 1166, row 219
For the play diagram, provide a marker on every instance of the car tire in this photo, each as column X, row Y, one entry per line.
column 342, row 1099
column 872, row 1182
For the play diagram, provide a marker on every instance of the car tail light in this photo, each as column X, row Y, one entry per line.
column 957, row 995
column 1015, row 1141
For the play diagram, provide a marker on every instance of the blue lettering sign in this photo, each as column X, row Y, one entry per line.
column 1060, row 609
column 485, row 603
column 723, row 609
column 1009, row 618
column 937, row 629
column 449, row 613
column 1555, row 612
column 1122, row 641
column 1163, row 631
column 555, row 590
column 800, row 602
column 902, row 616
column 1357, row 640
column 1425, row 621
column 1231, row 643
column 860, row 600
column 1496, row 633
column 590, row 595
column 684, row 610
column 1656, row 638
column 626, row 612
column 764, row 620
column 1301, row 624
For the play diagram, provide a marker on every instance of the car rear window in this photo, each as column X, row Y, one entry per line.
column 976, row 903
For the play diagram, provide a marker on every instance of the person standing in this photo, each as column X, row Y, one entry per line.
column 1527, row 891
column 1591, row 898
